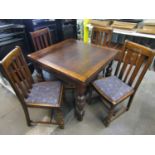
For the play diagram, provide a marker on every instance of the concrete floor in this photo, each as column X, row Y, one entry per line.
column 139, row 120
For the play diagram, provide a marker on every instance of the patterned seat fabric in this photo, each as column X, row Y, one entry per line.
column 113, row 88
column 47, row 93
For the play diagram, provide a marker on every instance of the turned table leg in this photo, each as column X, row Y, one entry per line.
column 80, row 102
column 109, row 69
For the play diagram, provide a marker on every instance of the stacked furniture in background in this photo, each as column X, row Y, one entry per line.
column 123, row 25
column 131, row 26
column 148, row 27
column 12, row 35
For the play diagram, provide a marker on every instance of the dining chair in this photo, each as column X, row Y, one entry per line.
column 45, row 95
column 102, row 36
column 41, row 38
column 127, row 77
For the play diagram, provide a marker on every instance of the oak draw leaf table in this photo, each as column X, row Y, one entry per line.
column 75, row 62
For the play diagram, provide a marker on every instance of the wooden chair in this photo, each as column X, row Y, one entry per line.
column 127, row 77
column 46, row 95
column 102, row 36
column 41, row 38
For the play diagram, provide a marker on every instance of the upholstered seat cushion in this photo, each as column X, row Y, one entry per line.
column 45, row 94
column 113, row 89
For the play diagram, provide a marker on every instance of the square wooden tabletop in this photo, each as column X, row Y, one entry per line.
column 74, row 58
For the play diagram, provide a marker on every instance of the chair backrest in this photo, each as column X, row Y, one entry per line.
column 41, row 38
column 16, row 71
column 135, row 61
column 101, row 36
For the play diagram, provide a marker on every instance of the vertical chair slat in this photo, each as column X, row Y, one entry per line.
column 26, row 69
column 97, row 38
column 132, row 64
column 42, row 42
column 46, row 40
column 139, row 63
column 38, row 43
column 17, row 82
column 105, row 39
column 124, row 65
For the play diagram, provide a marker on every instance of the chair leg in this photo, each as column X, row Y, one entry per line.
column 27, row 116
column 40, row 76
column 73, row 95
column 110, row 115
column 109, row 69
column 129, row 103
column 52, row 114
column 89, row 98
column 64, row 96
column 59, row 118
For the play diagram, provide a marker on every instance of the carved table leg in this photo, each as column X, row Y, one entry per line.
column 80, row 102
column 109, row 69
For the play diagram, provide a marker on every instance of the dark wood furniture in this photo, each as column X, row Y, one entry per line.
column 128, row 75
column 76, row 63
column 60, row 29
column 102, row 36
column 66, row 28
column 47, row 95
column 37, row 24
column 41, row 38
column 12, row 35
